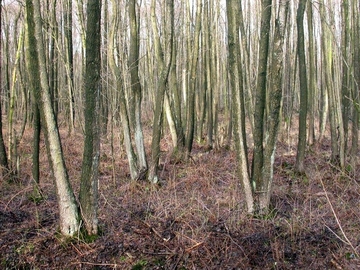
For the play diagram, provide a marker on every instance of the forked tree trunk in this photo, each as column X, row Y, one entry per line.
column 238, row 103
column 164, row 69
column 68, row 210
column 274, row 104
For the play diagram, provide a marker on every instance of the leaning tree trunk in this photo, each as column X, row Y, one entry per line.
column 164, row 70
column 92, row 87
column 68, row 210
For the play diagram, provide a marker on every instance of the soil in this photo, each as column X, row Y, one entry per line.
column 194, row 219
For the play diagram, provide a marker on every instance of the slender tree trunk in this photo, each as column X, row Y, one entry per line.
column 354, row 157
column 53, row 59
column 133, row 64
column 274, row 104
column 70, row 63
column 300, row 157
column 12, row 138
column 345, row 85
column 312, row 78
column 238, row 103
column 33, row 70
column 335, row 114
column 68, row 210
column 260, row 99
column 164, row 70
column 118, row 81
column 190, row 124
column 4, row 167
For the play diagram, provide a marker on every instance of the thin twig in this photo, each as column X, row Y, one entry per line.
column 337, row 220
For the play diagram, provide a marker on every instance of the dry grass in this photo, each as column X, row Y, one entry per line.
column 195, row 219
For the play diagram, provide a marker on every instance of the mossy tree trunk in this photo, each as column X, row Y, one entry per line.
column 92, row 87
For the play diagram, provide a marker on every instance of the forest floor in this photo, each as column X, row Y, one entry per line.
column 195, row 218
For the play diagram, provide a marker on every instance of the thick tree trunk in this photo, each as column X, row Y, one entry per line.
column 92, row 87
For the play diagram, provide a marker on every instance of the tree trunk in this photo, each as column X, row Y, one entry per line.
column 133, row 65
column 164, row 70
column 260, row 99
column 119, row 85
column 300, row 156
column 190, row 124
column 274, row 104
column 68, row 210
column 70, row 62
column 4, row 166
column 33, row 74
column 238, row 103
column 312, row 76
column 92, row 87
